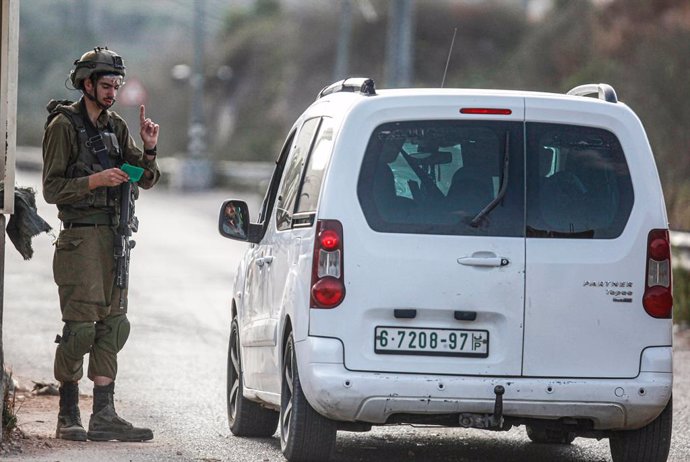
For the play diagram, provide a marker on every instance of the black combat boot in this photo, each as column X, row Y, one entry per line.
column 106, row 425
column 69, row 425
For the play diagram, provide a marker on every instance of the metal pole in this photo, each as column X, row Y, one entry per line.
column 9, row 51
column 405, row 47
column 399, row 43
column 197, row 129
column 342, row 57
column 194, row 172
column 83, row 22
column 392, row 43
column 2, row 307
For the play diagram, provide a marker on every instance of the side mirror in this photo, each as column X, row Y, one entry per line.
column 233, row 220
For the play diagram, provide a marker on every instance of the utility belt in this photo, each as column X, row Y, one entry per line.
column 70, row 225
column 99, row 219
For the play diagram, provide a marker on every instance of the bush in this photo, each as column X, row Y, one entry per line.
column 681, row 296
column 9, row 414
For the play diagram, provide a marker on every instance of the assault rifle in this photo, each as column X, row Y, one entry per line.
column 127, row 225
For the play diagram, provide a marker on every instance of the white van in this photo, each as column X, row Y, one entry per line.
column 468, row 258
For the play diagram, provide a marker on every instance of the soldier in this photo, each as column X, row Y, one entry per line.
column 83, row 146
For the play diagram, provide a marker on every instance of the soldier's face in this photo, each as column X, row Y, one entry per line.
column 105, row 89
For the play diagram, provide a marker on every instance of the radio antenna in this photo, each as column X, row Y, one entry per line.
column 455, row 31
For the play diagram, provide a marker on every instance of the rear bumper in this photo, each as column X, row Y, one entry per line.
column 612, row 404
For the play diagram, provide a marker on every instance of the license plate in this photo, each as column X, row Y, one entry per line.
column 434, row 342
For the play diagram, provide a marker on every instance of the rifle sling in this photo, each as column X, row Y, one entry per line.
column 95, row 142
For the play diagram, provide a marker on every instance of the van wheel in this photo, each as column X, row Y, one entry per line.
column 246, row 418
column 543, row 435
column 650, row 443
column 305, row 435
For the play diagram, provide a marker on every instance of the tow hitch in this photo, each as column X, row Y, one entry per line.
column 486, row 421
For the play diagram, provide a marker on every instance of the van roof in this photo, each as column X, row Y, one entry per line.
column 362, row 87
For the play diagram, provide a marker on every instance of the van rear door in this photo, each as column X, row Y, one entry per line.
column 586, row 243
column 434, row 269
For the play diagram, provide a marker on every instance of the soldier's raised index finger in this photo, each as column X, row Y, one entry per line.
column 142, row 114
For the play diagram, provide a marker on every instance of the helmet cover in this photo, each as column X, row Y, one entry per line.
column 100, row 60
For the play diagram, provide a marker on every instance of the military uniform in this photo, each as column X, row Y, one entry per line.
column 84, row 263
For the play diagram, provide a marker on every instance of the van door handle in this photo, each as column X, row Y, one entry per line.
column 484, row 261
column 267, row 260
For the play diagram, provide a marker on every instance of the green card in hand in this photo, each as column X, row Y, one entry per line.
column 133, row 171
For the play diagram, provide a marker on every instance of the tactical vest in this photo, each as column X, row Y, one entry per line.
column 92, row 153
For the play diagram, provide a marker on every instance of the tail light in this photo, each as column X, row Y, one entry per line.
column 658, row 291
column 327, row 286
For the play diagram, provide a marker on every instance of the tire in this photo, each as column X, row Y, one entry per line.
column 305, row 435
column 245, row 417
column 543, row 435
column 650, row 443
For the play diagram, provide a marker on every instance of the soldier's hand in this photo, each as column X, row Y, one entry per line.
column 149, row 129
column 110, row 177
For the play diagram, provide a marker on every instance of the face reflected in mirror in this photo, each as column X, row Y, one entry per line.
column 233, row 220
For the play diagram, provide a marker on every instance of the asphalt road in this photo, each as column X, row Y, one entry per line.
column 172, row 370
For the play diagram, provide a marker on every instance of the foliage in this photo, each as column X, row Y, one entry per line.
column 278, row 67
column 281, row 57
column 681, row 296
column 9, row 413
column 641, row 48
column 53, row 33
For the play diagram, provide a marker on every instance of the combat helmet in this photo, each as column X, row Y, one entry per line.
column 100, row 60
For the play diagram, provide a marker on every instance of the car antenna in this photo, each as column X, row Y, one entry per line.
column 455, row 31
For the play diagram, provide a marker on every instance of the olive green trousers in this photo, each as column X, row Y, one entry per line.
column 93, row 307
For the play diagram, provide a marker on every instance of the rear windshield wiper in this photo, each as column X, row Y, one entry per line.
column 504, row 185
column 535, row 232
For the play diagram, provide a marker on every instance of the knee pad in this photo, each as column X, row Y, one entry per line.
column 112, row 333
column 77, row 338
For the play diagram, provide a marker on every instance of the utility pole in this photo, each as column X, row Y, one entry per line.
column 399, row 43
column 9, row 51
column 195, row 173
column 342, row 57
column 83, row 22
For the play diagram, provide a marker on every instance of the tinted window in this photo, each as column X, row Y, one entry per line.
column 293, row 170
column 578, row 183
column 316, row 167
column 444, row 177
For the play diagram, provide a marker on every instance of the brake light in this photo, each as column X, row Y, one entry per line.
column 327, row 286
column 658, row 293
column 485, row 111
column 329, row 239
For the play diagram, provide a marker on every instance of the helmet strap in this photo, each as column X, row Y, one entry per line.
column 94, row 97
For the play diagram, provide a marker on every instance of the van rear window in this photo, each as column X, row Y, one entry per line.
column 444, row 177
column 578, row 183
column 468, row 178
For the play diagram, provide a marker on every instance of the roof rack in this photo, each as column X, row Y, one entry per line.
column 604, row 91
column 363, row 85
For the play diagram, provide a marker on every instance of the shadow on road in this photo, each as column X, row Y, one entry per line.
column 407, row 444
